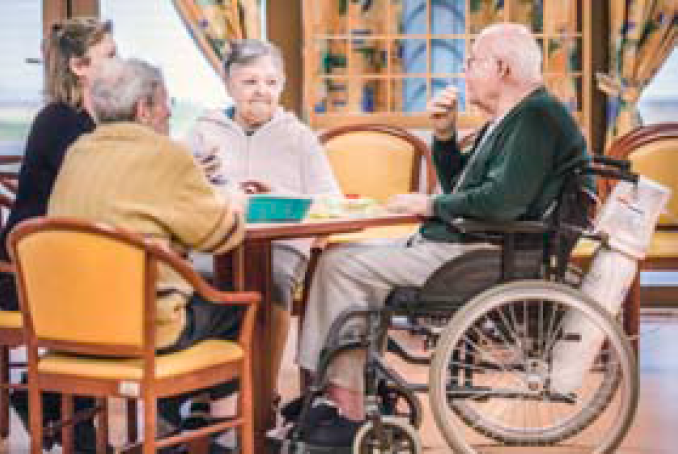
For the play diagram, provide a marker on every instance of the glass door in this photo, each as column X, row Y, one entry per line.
column 21, row 78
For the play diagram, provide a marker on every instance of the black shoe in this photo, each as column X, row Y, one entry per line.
column 198, row 417
column 338, row 432
column 292, row 409
column 320, row 409
column 18, row 400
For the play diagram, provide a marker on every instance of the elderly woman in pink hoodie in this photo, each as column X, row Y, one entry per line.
column 258, row 146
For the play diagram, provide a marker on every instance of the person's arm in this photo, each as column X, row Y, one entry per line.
column 206, row 153
column 203, row 217
column 448, row 161
column 515, row 176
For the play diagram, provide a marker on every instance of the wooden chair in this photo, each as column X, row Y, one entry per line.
column 11, row 322
column 11, row 336
column 100, row 333
column 9, row 183
column 11, row 326
column 378, row 161
column 653, row 152
column 375, row 161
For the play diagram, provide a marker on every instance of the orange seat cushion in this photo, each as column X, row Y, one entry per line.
column 664, row 245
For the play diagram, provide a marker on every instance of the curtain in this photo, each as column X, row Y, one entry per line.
column 643, row 35
column 213, row 22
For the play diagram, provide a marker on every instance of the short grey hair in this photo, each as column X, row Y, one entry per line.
column 119, row 85
column 515, row 45
column 246, row 51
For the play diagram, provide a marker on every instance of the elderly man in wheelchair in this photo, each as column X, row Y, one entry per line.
column 493, row 366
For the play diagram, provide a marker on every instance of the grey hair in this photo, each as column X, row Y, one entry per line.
column 246, row 51
column 515, row 45
column 119, row 85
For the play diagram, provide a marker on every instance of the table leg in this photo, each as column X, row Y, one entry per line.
column 251, row 270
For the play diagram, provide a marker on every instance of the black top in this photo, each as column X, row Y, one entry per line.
column 54, row 129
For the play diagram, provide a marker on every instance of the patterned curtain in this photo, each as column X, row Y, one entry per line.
column 213, row 22
column 644, row 33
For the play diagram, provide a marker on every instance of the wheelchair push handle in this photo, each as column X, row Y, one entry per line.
column 618, row 169
column 624, row 175
column 621, row 164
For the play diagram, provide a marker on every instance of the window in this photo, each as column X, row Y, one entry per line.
column 21, row 76
column 659, row 101
column 385, row 58
column 152, row 30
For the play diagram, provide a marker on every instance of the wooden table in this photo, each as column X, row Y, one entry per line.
column 248, row 267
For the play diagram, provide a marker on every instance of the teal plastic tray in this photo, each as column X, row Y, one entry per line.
column 267, row 208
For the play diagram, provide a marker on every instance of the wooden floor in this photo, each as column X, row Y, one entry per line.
column 655, row 430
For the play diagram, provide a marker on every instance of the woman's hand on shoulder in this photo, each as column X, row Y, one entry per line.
column 255, row 187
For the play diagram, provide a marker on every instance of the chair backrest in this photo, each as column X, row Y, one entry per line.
column 88, row 288
column 378, row 161
column 653, row 152
column 9, row 179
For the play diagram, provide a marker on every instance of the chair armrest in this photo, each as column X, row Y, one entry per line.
column 474, row 226
column 7, row 267
column 249, row 299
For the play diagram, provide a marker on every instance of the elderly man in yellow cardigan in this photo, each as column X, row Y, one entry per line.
column 128, row 173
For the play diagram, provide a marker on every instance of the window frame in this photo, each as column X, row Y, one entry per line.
column 468, row 120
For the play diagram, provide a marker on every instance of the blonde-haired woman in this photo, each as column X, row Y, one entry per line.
column 72, row 51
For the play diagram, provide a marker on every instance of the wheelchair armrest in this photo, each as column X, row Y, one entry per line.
column 474, row 226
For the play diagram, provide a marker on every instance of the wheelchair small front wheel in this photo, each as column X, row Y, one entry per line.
column 391, row 436
column 498, row 374
column 400, row 403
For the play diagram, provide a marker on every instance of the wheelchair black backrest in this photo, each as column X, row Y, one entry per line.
column 572, row 213
column 529, row 250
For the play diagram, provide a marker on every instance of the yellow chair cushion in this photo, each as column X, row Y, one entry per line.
column 11, row 319
column 393, row 231
column 584, row 248
column 658, row 161
column 202, row 355
column 664, row 245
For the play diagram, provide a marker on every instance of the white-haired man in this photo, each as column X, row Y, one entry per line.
column 514, row 171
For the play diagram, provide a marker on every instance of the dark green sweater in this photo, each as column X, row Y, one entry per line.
column 518, row 171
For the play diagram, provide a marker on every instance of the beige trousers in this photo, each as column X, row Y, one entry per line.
column 360, row 276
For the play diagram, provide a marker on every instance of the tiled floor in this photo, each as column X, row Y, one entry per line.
column 655, row 430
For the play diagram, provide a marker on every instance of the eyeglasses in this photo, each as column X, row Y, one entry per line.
column 472, row 62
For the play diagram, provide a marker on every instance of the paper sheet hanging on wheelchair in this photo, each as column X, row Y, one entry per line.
column 630, row 214
column 629, row 217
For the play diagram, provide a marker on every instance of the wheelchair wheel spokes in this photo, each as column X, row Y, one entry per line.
column 493, row 378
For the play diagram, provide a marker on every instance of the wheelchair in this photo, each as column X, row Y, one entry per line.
column 494, row 320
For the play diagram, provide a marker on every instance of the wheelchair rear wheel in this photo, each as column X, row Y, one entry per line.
column 493, row 377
